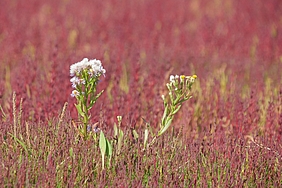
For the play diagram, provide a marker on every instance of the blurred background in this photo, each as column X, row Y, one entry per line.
column 234, row 46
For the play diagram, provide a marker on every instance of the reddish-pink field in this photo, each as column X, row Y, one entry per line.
column 234, row 47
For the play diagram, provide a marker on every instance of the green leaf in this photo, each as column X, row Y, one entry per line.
column 102, row 143
column 99, row 94
column 22, row 144
column 165, row 127
column 79, row 110
column 71, row 152
column 187, row 97
column 94, row 98
column 176, row 110
column 115, row 130
column 109, row 150
column 176, row 101
column 164, row 115
column 120, row 139
column 103, row 147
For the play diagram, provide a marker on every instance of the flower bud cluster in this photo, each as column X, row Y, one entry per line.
column 180, row 83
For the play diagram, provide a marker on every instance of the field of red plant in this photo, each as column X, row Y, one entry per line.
column 229, row 134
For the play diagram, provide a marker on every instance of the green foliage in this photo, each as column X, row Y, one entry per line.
column 105, row 148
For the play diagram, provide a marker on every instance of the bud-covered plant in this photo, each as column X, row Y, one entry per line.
column 179, row 89
column 85, row 77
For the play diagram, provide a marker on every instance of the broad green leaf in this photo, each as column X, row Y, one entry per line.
column 109, row 150
column 102, row 143
column 103, row 147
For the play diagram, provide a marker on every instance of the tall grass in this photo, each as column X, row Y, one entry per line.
column 51, row 155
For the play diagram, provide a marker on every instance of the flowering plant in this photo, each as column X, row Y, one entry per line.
column 179, row 92
column 85, row 77
column 179, row 89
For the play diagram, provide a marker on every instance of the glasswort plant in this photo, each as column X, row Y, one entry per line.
column 85, row 76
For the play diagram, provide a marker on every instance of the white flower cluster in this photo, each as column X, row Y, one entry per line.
column 93, row 67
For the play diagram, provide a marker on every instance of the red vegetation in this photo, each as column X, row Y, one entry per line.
column 234, row 46
column 140, row 44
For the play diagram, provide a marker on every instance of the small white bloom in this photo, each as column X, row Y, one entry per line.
column 74, row 93
column 171, row 78
column 74, row 79
column 73, row 85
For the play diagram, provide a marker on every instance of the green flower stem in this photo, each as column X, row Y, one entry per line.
column 85, row 102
